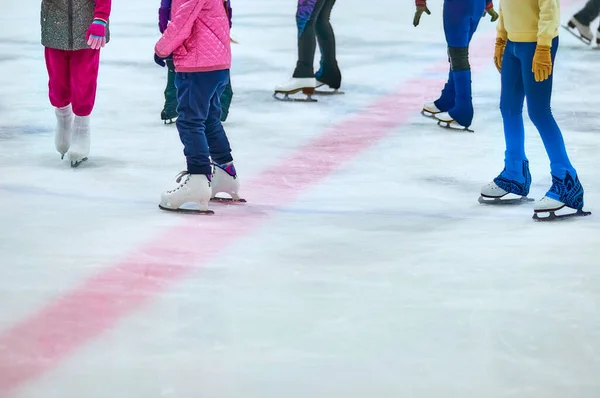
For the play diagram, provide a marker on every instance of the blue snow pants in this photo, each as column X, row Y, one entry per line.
column 518, row 83
column 461, row 18
column 199, row 121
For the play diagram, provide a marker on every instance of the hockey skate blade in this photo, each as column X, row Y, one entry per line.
column 169, row 121
column 219, row 199
column 452, row 125
column 511, row 200
column 545, row 215
column 286, row 97
column 577, row 35
column 188, row 211
column 77, row 163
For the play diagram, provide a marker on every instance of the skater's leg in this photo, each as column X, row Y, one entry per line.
column 195, row 92
column 512, row 97
column 458, row 29
column 57, row 63
column 220, row 150
column 448, row 95
column 588, row 13
column 306, row 18
column 538, row 96
column 329, row 71
column 226, row 98
column 59, row 83
column 84, row 80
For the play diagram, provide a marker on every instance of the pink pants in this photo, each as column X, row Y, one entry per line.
column 73, row 77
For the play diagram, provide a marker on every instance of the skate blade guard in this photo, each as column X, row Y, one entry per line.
column 562, row 213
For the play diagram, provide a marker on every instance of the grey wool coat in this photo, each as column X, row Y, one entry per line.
column 65, row 23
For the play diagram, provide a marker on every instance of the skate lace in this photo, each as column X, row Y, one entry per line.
column 178, row 180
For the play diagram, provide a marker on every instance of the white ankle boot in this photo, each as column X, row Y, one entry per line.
column 225, row 180
column 196, row 188
column 64, row 129
column 80, row 143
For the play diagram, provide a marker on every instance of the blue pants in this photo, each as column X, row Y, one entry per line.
column 199, row 121
column 518, row 83
column 461, row 18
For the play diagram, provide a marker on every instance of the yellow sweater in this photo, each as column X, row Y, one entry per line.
column 529, row 20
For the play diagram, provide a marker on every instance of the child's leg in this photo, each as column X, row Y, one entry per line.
column 220, row 150
column 59, row 83
column 538, row 96
column 84, row 80
column 457, row 29
column 512, row 96
column 195, row 92
column 329, row 72
column 306, row 17
column 446, row 100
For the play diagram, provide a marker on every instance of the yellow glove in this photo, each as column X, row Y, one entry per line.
column 542, row 63
column 499, row 52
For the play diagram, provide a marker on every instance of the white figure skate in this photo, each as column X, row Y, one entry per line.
column 64, row 129
column 80, row 145
column 306, row 85
column 225, row 180
column 196, row 188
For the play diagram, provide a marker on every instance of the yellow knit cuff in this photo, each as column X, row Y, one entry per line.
column 545, row 40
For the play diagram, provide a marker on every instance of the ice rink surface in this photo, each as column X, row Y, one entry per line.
column 362, row 265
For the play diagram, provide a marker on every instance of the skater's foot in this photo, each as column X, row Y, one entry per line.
column 80, row 146
column 508, row 186
column 225, row 180
column 195, row 188
column 445, row 120
column 580, row 30
column 306, row 85
column 430, row 110
column 564, row 199
column 64, row 129
column 330, row 76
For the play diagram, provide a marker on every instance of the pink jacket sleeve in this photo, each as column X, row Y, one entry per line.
column 102, row 10
column 180, row 27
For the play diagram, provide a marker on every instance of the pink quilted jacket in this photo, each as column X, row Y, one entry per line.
column 197, row 36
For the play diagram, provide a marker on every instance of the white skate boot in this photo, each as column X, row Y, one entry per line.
column 195, row 189
column 580, row 31
column 225, row 180
column 64, row 129
column 295, row 85
column 80, row 145
column 430, row 110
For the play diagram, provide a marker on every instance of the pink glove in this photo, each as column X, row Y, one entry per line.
column 96, row 34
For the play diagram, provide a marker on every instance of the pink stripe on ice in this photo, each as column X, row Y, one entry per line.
column 39, row 343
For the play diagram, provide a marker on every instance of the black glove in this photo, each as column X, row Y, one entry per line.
column 161, row 61
column 420, row 10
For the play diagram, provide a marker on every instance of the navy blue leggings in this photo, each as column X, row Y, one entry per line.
column 518, row 83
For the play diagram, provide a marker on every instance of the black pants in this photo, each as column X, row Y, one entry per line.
column 313, row 20
column 589, row 12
